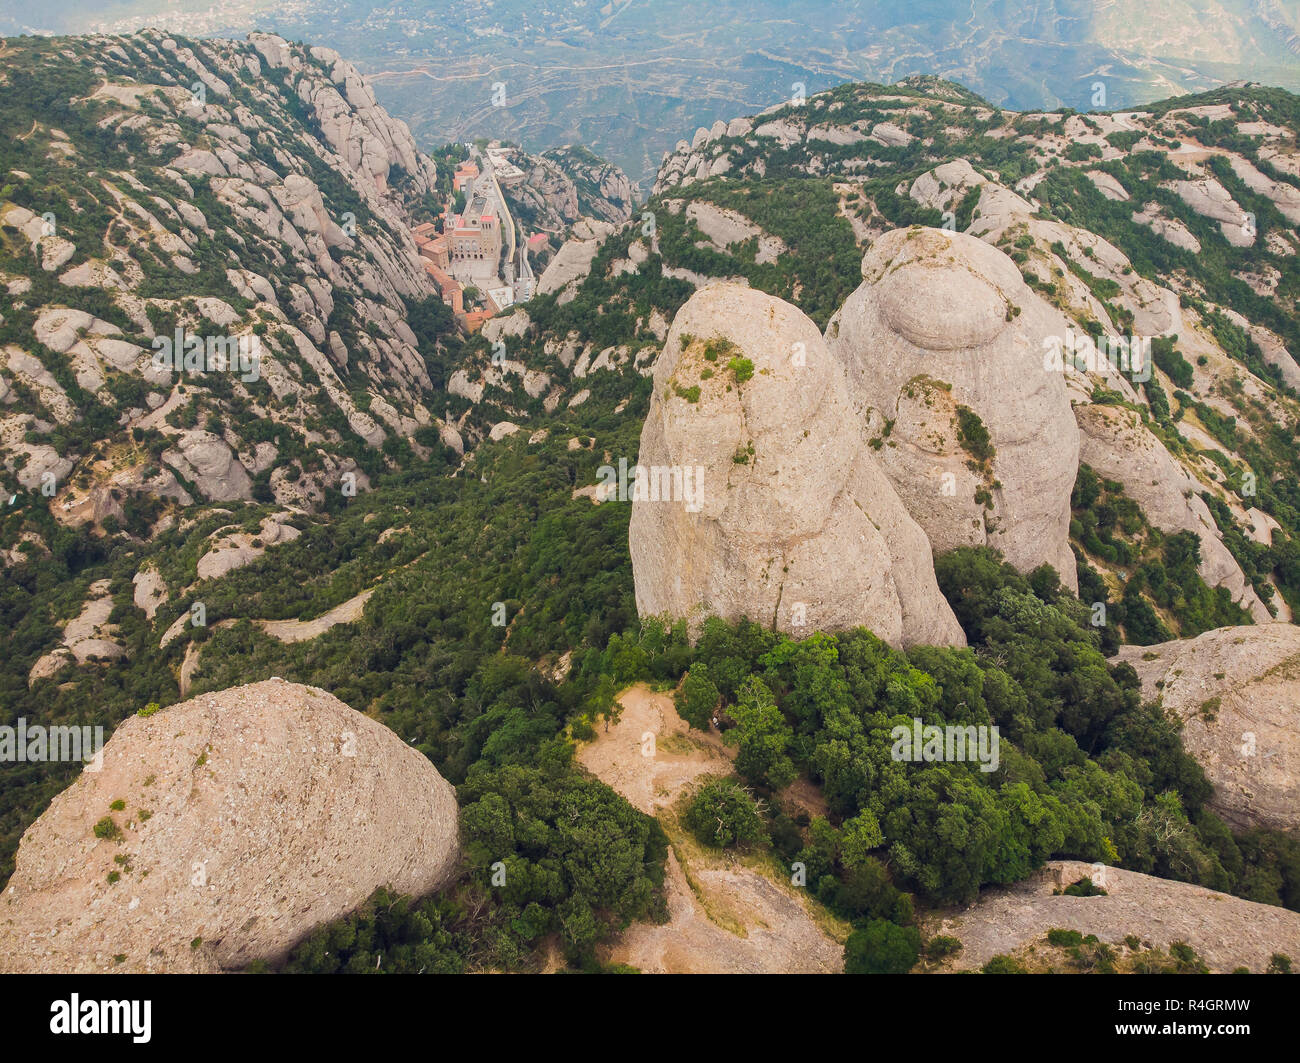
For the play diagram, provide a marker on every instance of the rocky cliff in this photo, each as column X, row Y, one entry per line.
column 755, row 502
column 250, row 196
column 943, row 347
column 221, row 831
column 1235, row 692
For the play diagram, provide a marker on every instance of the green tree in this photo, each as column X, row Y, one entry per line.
column 858, row 837
column 698, row 697
column 723, row 814
column 763, row 737
column 882, row 947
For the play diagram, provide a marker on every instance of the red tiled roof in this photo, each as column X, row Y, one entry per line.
column 473, row 320
column 440, row 276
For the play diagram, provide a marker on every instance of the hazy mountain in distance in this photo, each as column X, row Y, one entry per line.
column 626, row 77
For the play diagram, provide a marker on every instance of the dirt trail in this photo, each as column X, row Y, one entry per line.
column 284, row 630
column 726, row 913
column 301, row 630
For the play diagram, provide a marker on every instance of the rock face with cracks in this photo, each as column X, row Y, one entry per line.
column 223, row 830
column 755, row 501
column 941, row 343
column 1235, row 691
column 1117, row 444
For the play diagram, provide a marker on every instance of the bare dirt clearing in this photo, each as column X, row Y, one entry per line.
column 678, row 755
column 727, row 913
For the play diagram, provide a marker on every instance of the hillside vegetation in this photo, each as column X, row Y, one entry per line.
column 502, row 623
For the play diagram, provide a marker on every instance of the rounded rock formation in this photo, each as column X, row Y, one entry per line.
column 1235, row 690
column 755, row 502
column 942, row 342
column 223, row 830
column 1227, row 932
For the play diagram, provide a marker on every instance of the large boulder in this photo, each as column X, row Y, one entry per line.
column 787, row 519
column 1237, row 692
column 206, row 461
column 571, row 264
column 221, row 831
column 1226, row 932
column 87, row 637
column 943, row 324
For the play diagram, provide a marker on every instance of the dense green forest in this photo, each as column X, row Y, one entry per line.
column 1087, row 771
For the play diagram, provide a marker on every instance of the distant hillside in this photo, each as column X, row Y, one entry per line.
column 626, row 77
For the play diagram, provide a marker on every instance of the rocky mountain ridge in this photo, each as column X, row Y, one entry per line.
column 250, row 195
column 1218, row 343
column 249, row 192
